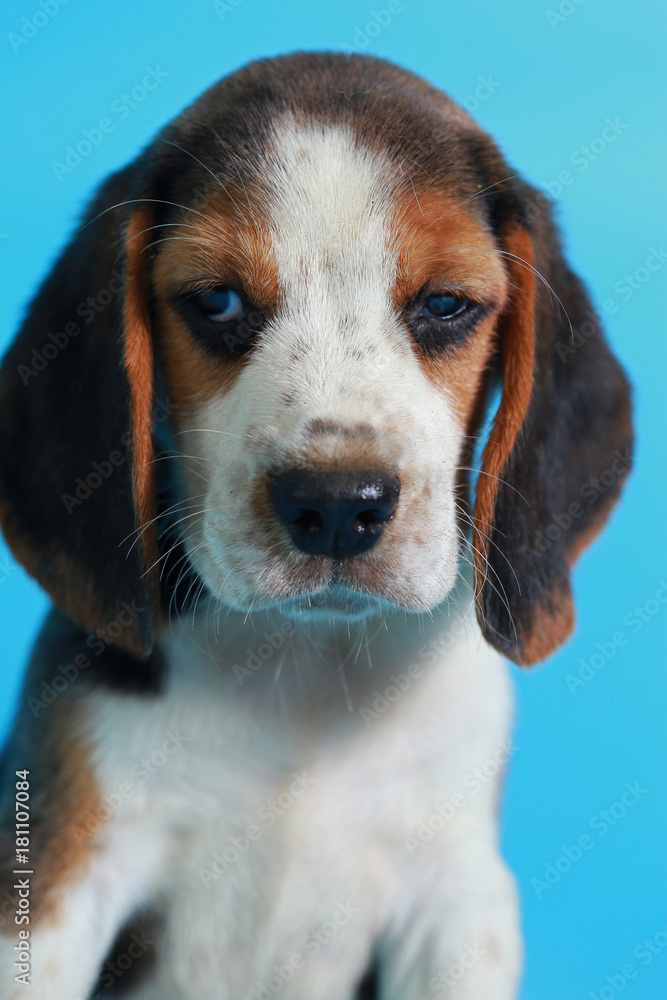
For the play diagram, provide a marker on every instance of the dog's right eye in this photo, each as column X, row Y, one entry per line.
column 222, row 319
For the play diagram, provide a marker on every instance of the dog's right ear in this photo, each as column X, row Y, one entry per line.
column 76, row 402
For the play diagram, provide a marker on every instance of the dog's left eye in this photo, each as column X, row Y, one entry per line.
column 441, row 320
column 221, row 304
column 444, row 305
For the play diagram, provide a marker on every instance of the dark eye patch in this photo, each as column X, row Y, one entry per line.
column 222, row 319
column 442, row 319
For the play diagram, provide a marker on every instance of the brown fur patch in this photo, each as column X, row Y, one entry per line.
column 139, row 362
column 194, row 375
column 538, row 639
column 63, row 795
column 227, row 247
column 441, row 246
column 518, row 361
column 460, row 371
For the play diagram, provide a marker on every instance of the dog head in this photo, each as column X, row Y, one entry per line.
column 299, row 298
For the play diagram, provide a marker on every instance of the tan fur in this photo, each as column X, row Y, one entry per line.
column 59, row 839
column 139, row 362
column 518, row 359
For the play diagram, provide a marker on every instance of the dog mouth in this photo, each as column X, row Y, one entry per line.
column 344, row 588
column 337, row 600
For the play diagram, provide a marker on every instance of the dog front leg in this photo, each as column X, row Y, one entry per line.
column 461, row 939
column 69, row 907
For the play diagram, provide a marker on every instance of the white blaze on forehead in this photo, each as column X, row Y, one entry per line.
column 329, row 214
column 336, row 340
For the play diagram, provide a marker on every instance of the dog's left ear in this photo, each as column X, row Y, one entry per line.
column 76, row 400
column 561, row 441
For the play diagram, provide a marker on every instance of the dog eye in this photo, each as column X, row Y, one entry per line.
column 221, row 304
column 223, row 320
column 440, row 321
column 444, row 305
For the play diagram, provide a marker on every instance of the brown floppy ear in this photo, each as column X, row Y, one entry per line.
column 559, row 448
column 76, row 390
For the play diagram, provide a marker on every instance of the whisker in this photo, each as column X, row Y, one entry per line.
column 183, row 504
column 504, row 598
column 206, row 430
column 137, row 201
column 202, row 164
column 538, row 274
column 482, row 472
column 165, row 225
column 490, row 541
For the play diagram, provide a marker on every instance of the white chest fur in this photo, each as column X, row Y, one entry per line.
column 301, row 789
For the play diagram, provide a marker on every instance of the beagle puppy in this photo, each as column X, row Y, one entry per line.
column 260, row 743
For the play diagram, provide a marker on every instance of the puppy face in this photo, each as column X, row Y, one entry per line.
column 333, row 361
column 327, row 267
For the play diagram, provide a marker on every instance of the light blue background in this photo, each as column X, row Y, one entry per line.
column 554, row 84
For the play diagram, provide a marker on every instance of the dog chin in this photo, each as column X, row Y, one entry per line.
column 334, row 603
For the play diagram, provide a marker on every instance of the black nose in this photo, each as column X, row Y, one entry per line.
column 334, row 513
